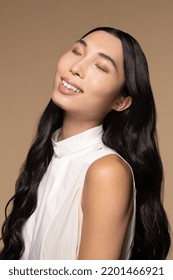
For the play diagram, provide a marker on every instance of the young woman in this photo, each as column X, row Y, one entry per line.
column 90, row 187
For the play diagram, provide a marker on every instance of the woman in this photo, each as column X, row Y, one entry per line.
column 90, row 187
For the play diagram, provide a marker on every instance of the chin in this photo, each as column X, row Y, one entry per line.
column 59, row 100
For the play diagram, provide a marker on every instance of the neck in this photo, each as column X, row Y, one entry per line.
column 72, row 126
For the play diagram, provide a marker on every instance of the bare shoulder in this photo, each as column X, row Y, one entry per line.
column 113, row 170
column 107, row 206
column 110, row 163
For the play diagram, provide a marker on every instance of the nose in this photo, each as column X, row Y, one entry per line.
column 77, row 69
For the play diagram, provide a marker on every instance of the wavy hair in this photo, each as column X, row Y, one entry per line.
column 131, row 133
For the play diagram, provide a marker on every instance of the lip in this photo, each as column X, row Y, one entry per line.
column 71, row 83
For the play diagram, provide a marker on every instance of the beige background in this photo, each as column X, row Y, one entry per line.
column 34, row 33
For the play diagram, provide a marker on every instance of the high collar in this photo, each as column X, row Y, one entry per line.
column 78, row 142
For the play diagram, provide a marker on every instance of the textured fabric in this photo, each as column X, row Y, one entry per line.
column 54, row 229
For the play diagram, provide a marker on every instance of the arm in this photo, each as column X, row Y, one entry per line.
column 107, row 206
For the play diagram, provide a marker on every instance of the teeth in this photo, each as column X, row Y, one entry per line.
column 65, row 84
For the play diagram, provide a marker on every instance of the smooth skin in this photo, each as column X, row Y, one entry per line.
column 99, row 80
column 95, row 66
column 107, row 206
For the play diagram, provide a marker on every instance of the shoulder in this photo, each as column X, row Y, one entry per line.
column 110, row 167
column 111, row 176
column 107, row 205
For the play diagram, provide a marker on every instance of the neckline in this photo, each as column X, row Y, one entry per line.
column 76, row 143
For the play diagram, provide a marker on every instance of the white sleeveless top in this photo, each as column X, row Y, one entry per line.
column 53, row 231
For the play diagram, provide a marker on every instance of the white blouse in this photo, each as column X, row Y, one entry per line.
column 53, row 231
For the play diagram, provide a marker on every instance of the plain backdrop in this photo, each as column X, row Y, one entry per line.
column 33, row 35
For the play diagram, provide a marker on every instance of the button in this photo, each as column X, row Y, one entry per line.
column 59, row 155
column 98, row 147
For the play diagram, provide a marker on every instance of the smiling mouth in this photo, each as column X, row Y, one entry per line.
column 70, row 87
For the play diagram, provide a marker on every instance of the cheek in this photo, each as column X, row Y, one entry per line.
column 63, row 63
column 103, row 95
column 104, row 89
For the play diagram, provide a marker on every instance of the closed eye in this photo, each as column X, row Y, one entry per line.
column 76, row 52
column 102, row 68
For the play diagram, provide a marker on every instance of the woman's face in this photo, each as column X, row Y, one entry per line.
column 89, row 77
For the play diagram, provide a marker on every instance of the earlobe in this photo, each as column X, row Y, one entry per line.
column 122, row 104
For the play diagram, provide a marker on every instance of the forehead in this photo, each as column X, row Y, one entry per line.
column 101, row 41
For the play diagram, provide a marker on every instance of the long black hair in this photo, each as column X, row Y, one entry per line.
column 132, row 133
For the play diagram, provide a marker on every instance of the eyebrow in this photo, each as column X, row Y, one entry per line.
column 103, row 55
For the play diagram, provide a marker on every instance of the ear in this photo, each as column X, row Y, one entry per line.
column 122, row 103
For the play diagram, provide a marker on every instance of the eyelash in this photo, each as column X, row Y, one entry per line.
column 101, row 68
column 76, row 52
